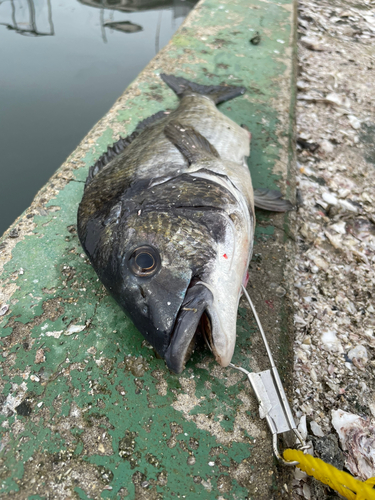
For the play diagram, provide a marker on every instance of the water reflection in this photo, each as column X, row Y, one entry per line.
column 22, row 17
column 123, row 26
column 53, row 89
column 181, row 8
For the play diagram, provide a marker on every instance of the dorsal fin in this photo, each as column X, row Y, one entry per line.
column 189, row 142
column 218, row 93
column 120, row 145
column 112, row 152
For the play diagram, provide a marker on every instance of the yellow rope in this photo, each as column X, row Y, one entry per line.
column 342, row 482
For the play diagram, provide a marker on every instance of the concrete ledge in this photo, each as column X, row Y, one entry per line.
column 87, row 411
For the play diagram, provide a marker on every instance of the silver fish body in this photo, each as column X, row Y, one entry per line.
column 168, row 221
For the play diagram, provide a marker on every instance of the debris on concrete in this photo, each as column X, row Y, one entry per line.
column 39, row 356
column 357, row 437
column 335, row 260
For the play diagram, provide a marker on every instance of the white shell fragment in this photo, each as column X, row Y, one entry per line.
column 74, row 329
column 55, row 334
column 4, row 309
column 354, row 122
column 312, row 43
column 316, row 429
column 334, row 98
column 358, row 356
column 357, row 436
column 330, row 342
column 329, row 198
column 327, row 146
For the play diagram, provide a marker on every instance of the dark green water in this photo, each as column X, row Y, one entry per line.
column 63, row 63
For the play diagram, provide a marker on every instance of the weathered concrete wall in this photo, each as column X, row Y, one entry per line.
column 87, row 411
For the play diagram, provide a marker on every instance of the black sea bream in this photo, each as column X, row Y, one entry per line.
column 167, row 221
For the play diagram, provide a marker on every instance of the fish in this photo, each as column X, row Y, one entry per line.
column 167, row 221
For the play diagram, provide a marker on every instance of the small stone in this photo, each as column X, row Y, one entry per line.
column 302, row 427
column 321, row 263
column 358, row 356
column 55, row 334
column 255, row 40
column 334, row 98
column 4, row 309
column 74, row 329
column 312, row 43
column 327, row 146
column 299, row 474
column 339, row 227
column 329, row 451
column 306, row 491
column 280, row 291
column 331, row 342
column 354, row 122
column 329, row 198
column 13, row 233
column 39, row 356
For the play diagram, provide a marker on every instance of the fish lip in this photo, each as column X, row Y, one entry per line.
column 197, row 300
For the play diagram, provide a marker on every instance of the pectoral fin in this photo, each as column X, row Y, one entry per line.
column 270, row 199
column 189, row 142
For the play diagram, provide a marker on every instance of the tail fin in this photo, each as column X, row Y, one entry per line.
column 218, row 93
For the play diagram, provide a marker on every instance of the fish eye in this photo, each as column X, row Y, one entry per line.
column 144, row 261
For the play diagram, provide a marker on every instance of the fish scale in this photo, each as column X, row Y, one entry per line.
column 167, row 220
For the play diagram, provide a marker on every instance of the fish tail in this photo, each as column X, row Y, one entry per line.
column 218, row 93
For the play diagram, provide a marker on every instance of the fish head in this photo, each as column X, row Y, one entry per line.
column 158, row 263
column 175, row 264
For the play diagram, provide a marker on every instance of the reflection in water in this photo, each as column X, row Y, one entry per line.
column 181, row 8
column 22, row 17
column 55, row 88
column 124, row 26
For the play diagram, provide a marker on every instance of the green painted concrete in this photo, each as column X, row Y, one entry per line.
column 92, row 413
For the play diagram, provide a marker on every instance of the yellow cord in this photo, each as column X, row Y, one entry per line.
column 342, row 482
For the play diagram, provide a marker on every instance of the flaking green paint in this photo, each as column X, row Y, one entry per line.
column 81, row 381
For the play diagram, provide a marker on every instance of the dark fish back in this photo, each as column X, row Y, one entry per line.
column 119, row 146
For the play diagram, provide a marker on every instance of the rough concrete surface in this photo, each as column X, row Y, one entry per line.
column 87, row 410
column 334, row 275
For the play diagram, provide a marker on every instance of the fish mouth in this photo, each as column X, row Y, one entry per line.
column 193, row 319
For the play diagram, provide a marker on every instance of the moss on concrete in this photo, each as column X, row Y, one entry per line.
column 87, row 411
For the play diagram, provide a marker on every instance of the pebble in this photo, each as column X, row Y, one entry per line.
column 316, row 429
column 329, row 198
column 4, row 309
